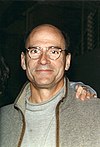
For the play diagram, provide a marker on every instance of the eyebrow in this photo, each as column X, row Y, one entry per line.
column 43, row 47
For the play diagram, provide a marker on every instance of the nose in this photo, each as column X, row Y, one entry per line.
column 44, row 59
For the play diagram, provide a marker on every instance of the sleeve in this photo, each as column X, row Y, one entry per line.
column 73, row 84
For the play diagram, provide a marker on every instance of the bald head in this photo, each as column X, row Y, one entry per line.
column 47, row 30
column 45, row 60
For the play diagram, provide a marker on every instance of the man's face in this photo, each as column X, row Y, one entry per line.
column 44, row 72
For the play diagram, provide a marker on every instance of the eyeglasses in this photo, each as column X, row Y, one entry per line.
column 52, row 53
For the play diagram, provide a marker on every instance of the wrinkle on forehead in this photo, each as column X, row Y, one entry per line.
column 45, row 29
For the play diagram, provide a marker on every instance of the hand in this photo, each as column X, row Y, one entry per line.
column 84, row 93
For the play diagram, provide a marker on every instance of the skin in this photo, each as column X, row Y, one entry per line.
column 46, row 76
column 83, row 93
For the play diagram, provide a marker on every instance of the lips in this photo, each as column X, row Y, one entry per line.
column 44, row 70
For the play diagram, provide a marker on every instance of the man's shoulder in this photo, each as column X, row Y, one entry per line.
column 89, row 107
column 9, row 113
column 83, row 112
column 8, row 109
column 91, row 101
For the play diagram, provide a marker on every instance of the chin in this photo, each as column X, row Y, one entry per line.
column 44, row 84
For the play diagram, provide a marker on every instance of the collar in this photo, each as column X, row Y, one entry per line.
column 25, row 93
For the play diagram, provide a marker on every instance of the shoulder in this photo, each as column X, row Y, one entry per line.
column 79, row 107
column 88, row 104
column 8, row 111
column 81, row 113
column 93, row 103
column 10, row 116
column 7, row 107
column 89, row 109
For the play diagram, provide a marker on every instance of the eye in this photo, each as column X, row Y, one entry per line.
column 34, row 50
column 54, row 51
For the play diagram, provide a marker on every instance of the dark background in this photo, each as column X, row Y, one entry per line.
column 79, row 19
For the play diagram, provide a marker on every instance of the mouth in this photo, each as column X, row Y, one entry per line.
column 44, row 71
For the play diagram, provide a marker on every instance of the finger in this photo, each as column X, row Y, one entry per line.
column 78, row 91
column 94, row 95
column 83, row 95
column 88, row 94
column 76, row 87
column 91, row 95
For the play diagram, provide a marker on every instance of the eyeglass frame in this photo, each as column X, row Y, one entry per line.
column 47, row 48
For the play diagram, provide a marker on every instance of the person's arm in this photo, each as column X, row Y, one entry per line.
column 83, row 91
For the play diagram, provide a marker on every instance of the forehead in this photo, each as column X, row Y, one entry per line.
column 45, row 34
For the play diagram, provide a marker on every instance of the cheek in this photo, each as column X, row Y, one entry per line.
column 31, row 63
column 30, row 67
column 61, row 63
column 60, row 66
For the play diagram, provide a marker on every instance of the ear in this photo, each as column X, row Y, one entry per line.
column 68, row 60
column 23, row 62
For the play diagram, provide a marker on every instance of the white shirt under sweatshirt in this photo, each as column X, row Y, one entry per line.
column 41, row 123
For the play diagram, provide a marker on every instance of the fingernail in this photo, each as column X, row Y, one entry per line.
column 88, row 97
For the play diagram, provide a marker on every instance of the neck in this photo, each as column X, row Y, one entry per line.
column 39, row 95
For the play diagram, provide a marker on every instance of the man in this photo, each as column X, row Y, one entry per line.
column 46, row 113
